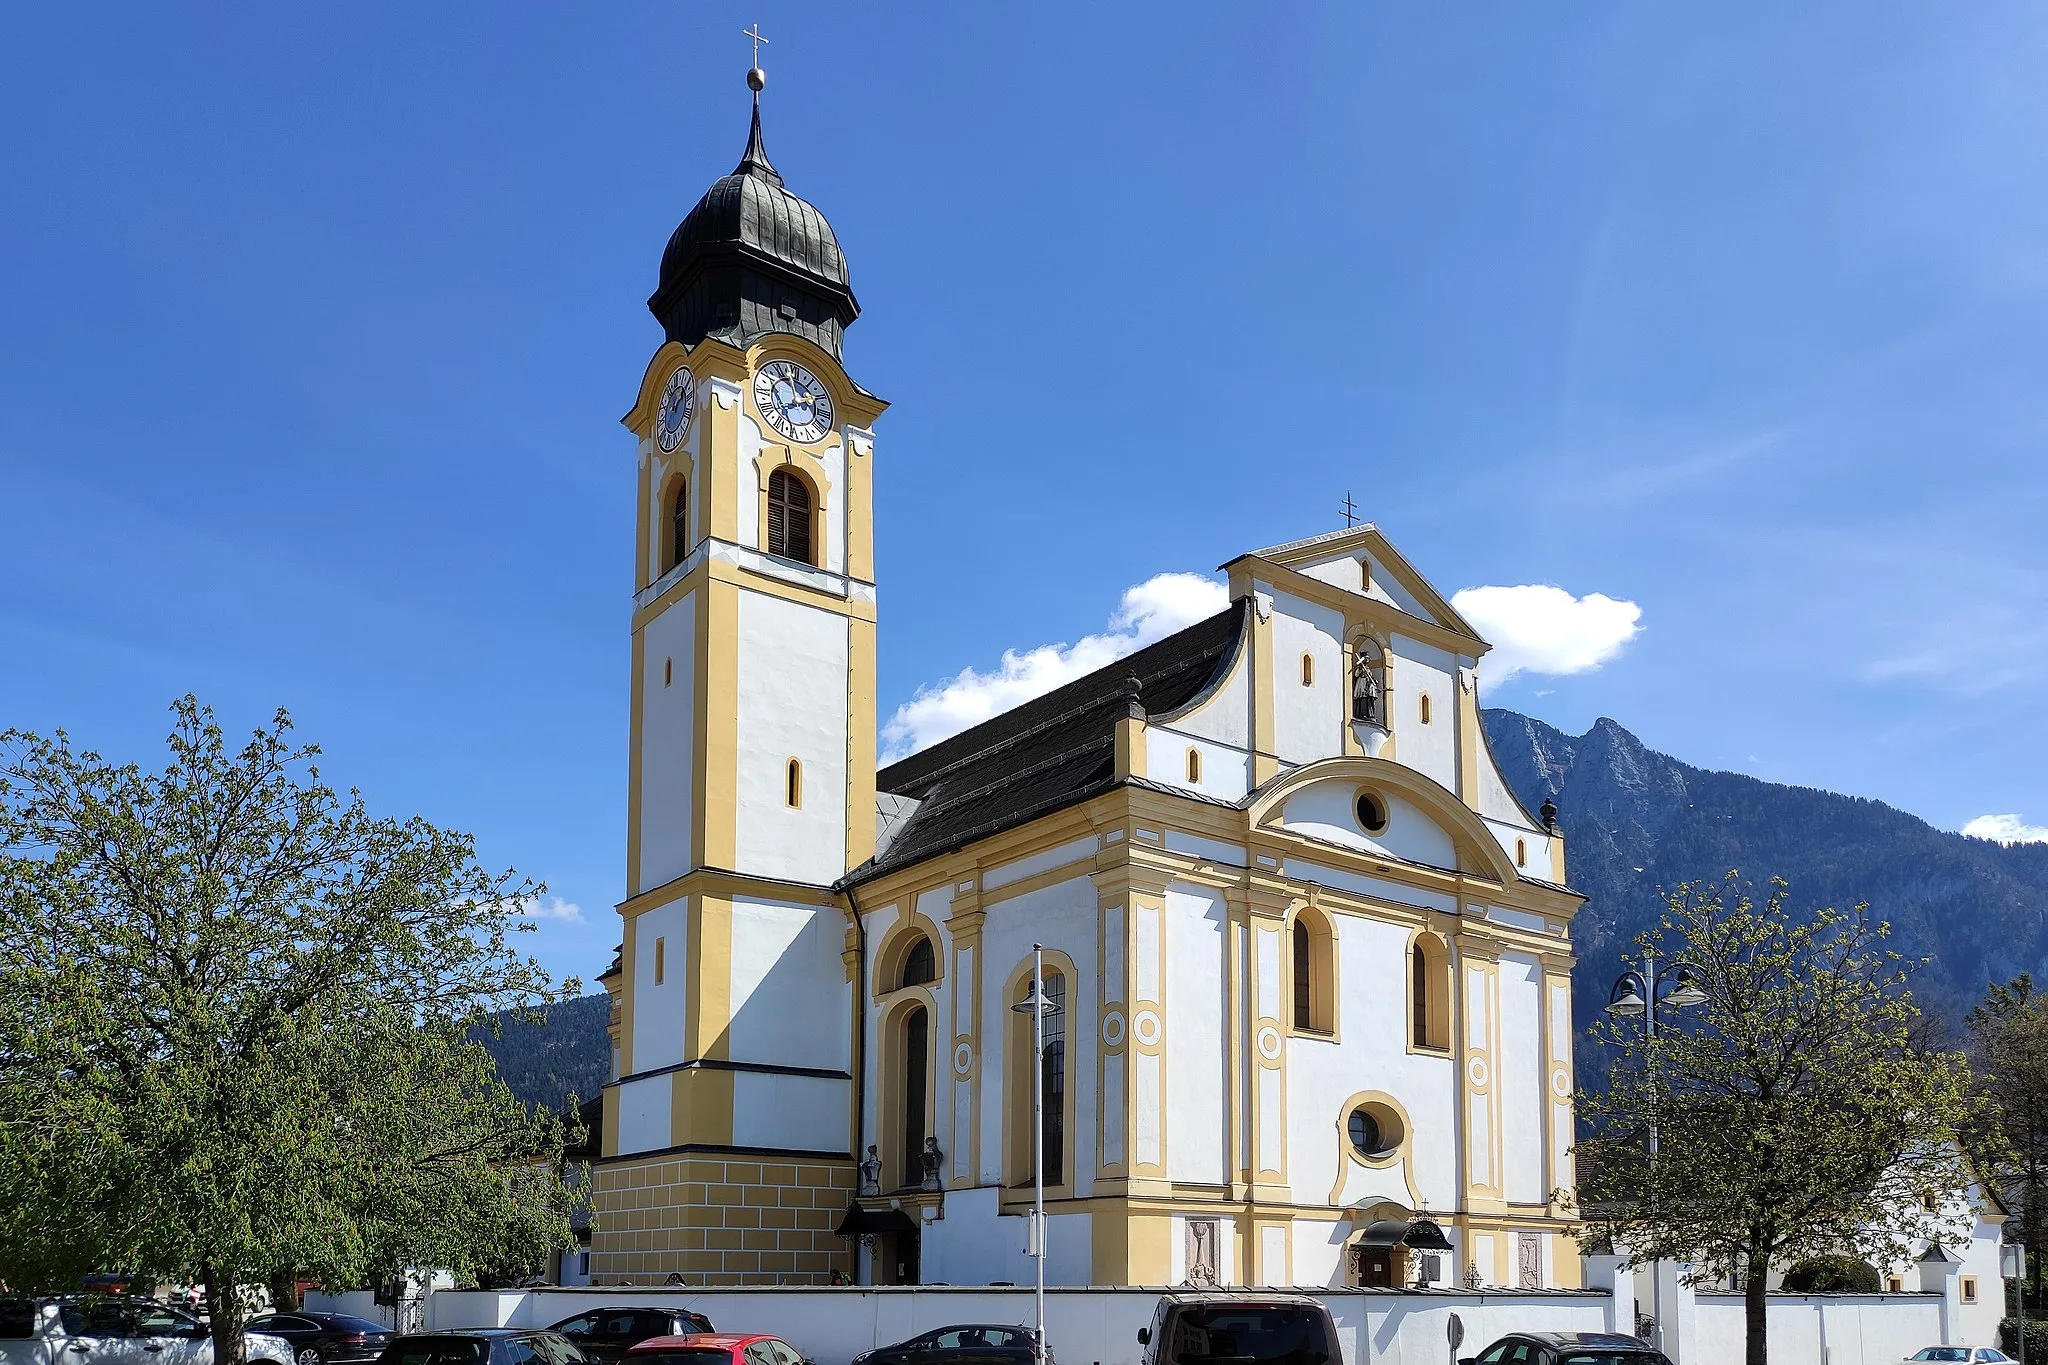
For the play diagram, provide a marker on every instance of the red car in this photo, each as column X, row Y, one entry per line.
column 716, row 1348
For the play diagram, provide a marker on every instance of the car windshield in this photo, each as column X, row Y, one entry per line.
column 1293, row 1335
column 702, row 1355
column 1944, row 1353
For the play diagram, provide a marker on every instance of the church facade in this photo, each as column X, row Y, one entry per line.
column 1311, row 958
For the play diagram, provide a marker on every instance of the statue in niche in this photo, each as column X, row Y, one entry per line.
column 871, row 1173
column 1203, row 1237
column 928, row 1161
column 1369, row 683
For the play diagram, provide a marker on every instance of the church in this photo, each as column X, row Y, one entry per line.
column 1307, row 959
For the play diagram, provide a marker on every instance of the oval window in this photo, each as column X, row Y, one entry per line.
column 1374, row 1130
column 1372, row 813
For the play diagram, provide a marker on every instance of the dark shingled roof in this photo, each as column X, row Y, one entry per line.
column 1050, row 753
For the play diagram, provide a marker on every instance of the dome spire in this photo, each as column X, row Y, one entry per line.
column 756, row 161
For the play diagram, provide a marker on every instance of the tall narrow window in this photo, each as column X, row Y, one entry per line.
column 668, row 671
column 1429, row 993
column 1521, row 853
column 1194, row 765
column 916, row 1080
column 679, row 524
column 1304, row 977
column 1053, row 1068
column 789, row 517
column 794, row 794
column 1419, row 993
column 1308, row 670
column 1425, row 708
column 660, row 960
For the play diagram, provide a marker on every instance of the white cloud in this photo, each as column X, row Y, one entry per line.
column 2006, row 829
column 1150, row 611
column 554, row 910
column 1536, row 628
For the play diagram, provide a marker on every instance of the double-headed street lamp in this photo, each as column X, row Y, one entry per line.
column 1642, row 993
column 1040, row 1009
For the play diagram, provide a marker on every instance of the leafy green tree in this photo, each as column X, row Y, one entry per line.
column 2009, row 1036
column 1795, row 1116
column 233, row 1015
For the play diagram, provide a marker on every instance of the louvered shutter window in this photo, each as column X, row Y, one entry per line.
column 789, row 517
column 679, row 530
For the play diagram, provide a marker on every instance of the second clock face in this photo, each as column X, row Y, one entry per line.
column 678, row 398
column 793, row 400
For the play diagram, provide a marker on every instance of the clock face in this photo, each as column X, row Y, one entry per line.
column 678, row 401
column 793, row 400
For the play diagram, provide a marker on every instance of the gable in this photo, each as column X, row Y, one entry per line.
column 1363, row 562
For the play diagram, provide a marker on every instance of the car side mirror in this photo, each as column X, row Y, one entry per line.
column 1144, row 1336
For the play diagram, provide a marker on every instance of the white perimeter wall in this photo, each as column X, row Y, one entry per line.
column 1845, row 1329
column 792, row 704
column 1083, row 1326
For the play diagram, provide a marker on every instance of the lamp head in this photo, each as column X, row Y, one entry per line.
column 1628, row 997
column 1685, row 987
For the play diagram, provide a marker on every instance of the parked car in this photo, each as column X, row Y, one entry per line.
column 1245, row 1328
column 326, row 1338
column 716, row 1348
column 1567, row 1348
column 1968, row 1355
column 483, row 1346
column 1000, row 1345
column 116, row 1331
column 605, row 1334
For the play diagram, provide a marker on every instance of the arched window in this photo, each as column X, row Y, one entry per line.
column 1314, row 972
column 919, row 964
column 789, row 517
column 1521, row 853
column 1194, row 765
column 1308, row 670
column 915, row 1058
column 1425, row 708
column 679, row 524
column 1052, row 1076
column 793, row 791
column 1369, row 682
column 1429, row 992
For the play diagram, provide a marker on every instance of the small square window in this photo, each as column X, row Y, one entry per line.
column 1969, row 1288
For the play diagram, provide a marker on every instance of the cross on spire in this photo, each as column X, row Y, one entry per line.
column 754, row 33
column 1350, row 510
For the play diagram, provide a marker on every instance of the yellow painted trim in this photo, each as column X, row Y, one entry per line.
column 1325, row 985
column 1264, row 765
column 897, row 940
column 722, row 882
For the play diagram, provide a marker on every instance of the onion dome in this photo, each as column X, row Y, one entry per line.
column 753, row 258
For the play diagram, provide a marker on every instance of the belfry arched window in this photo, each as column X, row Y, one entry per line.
column 679, row 524
column 789, row 517
column 1369, row 682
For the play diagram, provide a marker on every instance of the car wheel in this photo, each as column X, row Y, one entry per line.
column 309, row 1355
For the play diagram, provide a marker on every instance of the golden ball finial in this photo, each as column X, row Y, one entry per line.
column 756, row 78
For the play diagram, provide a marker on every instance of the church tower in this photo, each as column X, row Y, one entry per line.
column 752, row 767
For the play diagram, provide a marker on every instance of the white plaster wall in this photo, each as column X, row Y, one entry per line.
column 974, row 1245
column 1371, row 1053
column 799, row 1113
column 1317, row 1248
column 644, row 1109
column 1495, row 800
column 1308, row 722
column 1328, row 811
column 1535, row 844
column 1377, row 887
column 1430, row 749
column 792, row 704
column 658, row 1010
column 1521, row 1078
column 1341, row 572
column 1214, row 850
column 1196, row 1081
column 831, row 518
column 668, row 736
column 1060, row 916
column 1226, row 771
column 1225, row 715
column 1390, row 589
column 791, row 1003
column 1043, row 861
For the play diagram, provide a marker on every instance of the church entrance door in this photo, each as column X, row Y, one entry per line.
column 901, row 1264
column 1380, row 1267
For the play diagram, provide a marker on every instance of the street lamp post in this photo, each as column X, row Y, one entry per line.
column 1641, row 992
column 1038, row 1007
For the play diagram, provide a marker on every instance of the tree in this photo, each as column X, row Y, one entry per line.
column 233, row 1008
column 2009, row 1034
column 1796, row 1118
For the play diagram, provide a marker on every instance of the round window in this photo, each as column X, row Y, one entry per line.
column 1372, row 813
column 1374, row 1131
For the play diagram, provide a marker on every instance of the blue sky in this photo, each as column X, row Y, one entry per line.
column 318, row 323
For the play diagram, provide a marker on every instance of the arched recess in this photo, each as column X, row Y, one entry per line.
column 674, row 524
column 1478, row 851
column 1400, row 1153
column 1061, row 1075
column 892, row 953
column 1429, row 992
column 907, row 1091
column 1312, row 972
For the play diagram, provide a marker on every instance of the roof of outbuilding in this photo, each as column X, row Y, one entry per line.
column 1052, row 752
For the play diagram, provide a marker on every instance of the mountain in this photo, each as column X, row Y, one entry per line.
column 1636, row 821
column 565, row 1053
